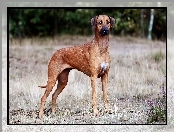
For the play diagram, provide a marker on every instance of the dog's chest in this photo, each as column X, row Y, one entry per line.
column 102, row 62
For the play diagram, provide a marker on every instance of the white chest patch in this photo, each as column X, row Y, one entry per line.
column 104, row 66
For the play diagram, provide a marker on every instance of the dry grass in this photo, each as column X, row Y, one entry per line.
column 170, row 84
column 135, row 77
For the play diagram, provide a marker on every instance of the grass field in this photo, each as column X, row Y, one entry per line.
column 137, row 76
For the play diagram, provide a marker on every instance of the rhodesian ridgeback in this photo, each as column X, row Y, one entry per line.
column 92, row 59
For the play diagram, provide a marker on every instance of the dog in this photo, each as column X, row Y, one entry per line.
column 92, row 58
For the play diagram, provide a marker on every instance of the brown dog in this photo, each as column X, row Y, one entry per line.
column 92, row 58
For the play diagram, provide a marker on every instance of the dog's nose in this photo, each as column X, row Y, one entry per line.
column 104, row 31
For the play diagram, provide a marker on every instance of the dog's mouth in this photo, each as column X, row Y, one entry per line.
column 104, row 31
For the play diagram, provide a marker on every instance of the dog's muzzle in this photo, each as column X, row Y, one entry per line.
column 104, row 31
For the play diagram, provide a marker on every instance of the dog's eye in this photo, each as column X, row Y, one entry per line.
column 107, row 22
column 100, row 22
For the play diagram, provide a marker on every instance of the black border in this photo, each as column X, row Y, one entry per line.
column 8, row 68
column 8, row 8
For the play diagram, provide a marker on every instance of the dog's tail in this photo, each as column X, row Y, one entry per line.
column 43, row 86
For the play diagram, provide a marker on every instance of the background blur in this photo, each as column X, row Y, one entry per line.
column 51, row 22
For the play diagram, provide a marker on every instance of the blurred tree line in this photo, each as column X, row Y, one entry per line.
column 26, row 22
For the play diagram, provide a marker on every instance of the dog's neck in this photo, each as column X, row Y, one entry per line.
column 102, row 42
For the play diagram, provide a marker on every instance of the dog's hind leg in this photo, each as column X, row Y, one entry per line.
column 52, row 78
column 49, row 87
column 62, row 82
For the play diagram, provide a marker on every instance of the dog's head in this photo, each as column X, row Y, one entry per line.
column 102, row 24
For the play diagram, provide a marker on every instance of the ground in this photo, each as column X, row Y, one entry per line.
column 137, row 75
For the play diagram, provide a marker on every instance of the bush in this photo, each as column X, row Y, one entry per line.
column 158, row 56
column 49, row 22
column 157, row 113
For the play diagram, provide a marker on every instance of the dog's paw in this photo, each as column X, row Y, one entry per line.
column 108, row 109
column 41, row 114
column 54, row 110
column 95, row 112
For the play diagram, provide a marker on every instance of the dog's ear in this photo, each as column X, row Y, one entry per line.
column 112, row 21
column 93, row 22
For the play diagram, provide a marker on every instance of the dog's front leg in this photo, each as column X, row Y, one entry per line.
column 104, row 80
column 94, row 94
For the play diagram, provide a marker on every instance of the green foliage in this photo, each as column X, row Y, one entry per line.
column 163, row 68
column 158, row 113
column 160, row 27
column 49, row 22
column 158, row 56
